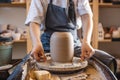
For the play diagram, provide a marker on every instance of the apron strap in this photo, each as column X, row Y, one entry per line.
column 51, row 1
column 71, row 12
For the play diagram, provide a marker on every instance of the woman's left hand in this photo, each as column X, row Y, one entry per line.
column 87, row 51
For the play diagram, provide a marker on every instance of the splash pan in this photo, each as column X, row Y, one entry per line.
column 75, row 65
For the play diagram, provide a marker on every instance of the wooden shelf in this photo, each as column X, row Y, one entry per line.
column 109, row 5
column 13, row 4
column 19, row 41
column 105, row 40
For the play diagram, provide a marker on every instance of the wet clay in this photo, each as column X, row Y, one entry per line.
column 62, row 47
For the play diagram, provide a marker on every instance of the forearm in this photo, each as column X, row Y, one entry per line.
column 35, row 34
column 37, row 51
column 87, row 25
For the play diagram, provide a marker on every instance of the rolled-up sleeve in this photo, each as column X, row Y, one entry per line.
column 83, row 7
column 36, row 13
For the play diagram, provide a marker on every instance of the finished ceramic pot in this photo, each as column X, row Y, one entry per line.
column 62, row 47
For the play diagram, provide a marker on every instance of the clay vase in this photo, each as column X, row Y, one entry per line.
column 62, row 47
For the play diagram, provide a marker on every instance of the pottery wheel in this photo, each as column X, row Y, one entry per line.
column 75, row 65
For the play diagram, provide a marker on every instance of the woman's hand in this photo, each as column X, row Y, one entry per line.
column 38, row 53
column 37, row 50
column 87, row 51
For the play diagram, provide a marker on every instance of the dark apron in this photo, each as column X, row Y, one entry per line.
column 56, row 21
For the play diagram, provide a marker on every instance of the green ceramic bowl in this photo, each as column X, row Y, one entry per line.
column 5, row 54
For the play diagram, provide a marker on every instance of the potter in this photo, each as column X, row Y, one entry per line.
column 60, row 16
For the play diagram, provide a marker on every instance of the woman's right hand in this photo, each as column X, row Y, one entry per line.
column 38, row 53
